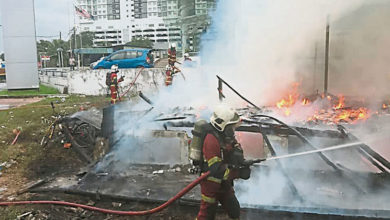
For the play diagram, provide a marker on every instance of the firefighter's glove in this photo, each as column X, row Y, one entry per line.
column 237, row 156
column 122, row 78
column 245, row 173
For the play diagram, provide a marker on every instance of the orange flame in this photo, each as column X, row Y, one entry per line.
column 341, row 103
column 339, row 113
column 288, row 101
column 305, row 101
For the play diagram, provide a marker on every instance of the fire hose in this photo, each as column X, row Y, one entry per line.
column 133, row 82
column 115, row 212
column 178, row 195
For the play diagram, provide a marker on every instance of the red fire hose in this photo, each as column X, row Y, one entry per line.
column 132, row 83
column 109, row 211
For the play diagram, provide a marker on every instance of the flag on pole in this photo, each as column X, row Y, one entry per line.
column 83, row 13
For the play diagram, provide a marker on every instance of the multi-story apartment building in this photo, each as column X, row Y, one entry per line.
column 109, row 23
column 162, row 21
column 194, row 20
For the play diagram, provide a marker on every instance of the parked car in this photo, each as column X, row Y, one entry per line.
column 128, row 58
column 93, row 64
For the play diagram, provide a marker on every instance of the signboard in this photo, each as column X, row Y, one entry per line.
column 45, row 58
column 20, row 47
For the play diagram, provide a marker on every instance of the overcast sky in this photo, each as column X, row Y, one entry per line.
column 51, row 17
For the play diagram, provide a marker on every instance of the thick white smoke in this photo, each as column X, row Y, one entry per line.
column 259, row 45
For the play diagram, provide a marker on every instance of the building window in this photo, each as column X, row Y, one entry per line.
column 110, row 27
column 151, row 25
column 98, row 27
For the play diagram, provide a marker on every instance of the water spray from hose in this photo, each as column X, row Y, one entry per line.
column 336, row 147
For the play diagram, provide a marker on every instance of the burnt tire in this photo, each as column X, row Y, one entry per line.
column 84, row 134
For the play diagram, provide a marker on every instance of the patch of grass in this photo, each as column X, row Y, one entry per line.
column 43, row 90
column 32, row 160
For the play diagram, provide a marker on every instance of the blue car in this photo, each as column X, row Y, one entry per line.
column 128, row 58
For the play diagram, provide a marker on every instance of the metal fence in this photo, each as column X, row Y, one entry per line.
column 58, row 72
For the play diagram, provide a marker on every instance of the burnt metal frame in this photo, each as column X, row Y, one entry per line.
column 326, row 159
column 303, row 139
column 268, row 130
column 367, row 152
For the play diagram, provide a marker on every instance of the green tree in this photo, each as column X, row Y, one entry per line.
column 86, row 39
column 140, row 42
column 2, row 56
column 49, row 48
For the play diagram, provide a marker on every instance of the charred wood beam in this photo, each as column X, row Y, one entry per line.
column 169, row 119
column 270, row 128
column 235, row 91
column 220, row 93
column 146, row 99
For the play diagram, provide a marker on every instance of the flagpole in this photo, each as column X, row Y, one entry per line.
column 75, row 42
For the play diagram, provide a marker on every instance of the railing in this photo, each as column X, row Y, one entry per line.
column 59, row 72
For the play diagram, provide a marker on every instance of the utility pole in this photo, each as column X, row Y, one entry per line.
column 315, row 67
column 81, row 46
column 326, row 57
column 74, row 36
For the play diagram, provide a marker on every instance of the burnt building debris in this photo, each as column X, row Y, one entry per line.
column 148, row 161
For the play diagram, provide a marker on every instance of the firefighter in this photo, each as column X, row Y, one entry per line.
column 171, row 69
column 172, row 55
column 187, row 57
column 168, row 75
column 114, row 83
column 222, row 153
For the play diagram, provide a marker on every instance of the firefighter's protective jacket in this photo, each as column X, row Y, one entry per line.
column 213, row 154
column 114, row 87
column 218, row 186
